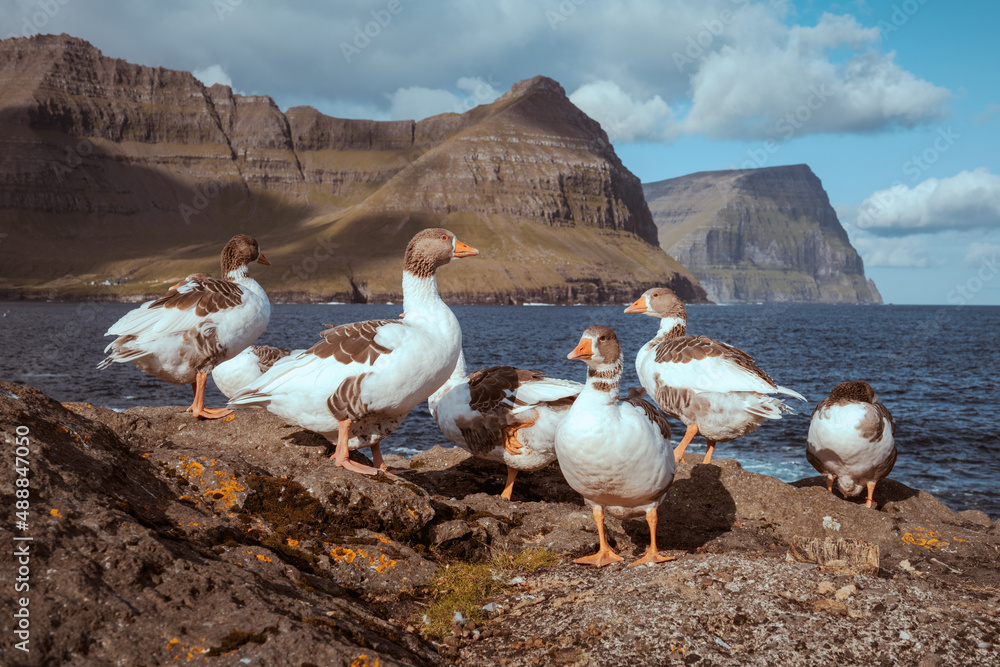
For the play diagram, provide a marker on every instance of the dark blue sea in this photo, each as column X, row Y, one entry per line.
column 934, row 367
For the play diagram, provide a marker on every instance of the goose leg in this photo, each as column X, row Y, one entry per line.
column 604, row 555
column 653, row 554
column 829, row 483
column 870, row 502
column 708, row 454
column 508, row 490
column 510, row 441
column 340, row 455
column 379, row 462
column 689, row 434
column 198, row 406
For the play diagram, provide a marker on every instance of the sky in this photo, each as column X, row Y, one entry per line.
column 894, row 105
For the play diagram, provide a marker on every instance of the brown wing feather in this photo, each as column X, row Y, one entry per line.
column 267, row 355
column 352, row 342
column 682, row 349
column 203, row 294
column 488, row 387
column 652, row 413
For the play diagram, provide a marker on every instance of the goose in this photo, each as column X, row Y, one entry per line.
column 361, row 379
column 231, row 376
column 852, row 438
column 616, row 454
column 504, row 414
column 711, row 387
column 196, row 325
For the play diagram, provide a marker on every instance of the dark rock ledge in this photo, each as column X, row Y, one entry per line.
column 161, row 540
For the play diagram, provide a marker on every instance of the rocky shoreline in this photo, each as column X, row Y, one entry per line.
column 156, row 539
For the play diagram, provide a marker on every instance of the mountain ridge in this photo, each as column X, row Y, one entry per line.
column 95, row 147
column 759, row 235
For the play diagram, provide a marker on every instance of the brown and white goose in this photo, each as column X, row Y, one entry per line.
column 504, row 414
column 199, row 323
column 852, row 439
column 360, row 381
column 711, row 387
column 616, row 454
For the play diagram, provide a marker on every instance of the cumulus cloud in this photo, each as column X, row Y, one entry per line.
column 910, row 252
column 417, row 102
column 212, row 75
column 968, row 200
column 623, row 117
column 788, row 83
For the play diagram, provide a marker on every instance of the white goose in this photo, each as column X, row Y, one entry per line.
column 711, row 387
column 362, row 379
column 616, row 454
column 852, row 438
column 504, row 414
column 233, row 375
column 198, row 324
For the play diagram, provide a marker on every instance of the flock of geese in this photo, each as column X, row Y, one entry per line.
column 360, row 380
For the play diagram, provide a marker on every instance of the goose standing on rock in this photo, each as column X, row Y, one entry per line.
column 616, row 454
column 199, row 323
column 362, row 379
column 711, row 387
column 504, row 414
column 852, row 438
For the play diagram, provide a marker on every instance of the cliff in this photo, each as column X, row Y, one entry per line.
column 759, row 235
column 118, row 179
column 156, row 539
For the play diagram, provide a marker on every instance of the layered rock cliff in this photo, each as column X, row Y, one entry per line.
column 759, row 235
column 118, row 179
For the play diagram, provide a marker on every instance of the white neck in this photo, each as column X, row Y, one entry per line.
column 668, row 323
column 239, row 274
column 419, row 293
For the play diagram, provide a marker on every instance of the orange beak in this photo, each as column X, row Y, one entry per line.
column 637, row 306
column 464, row 250
column 263, row 260
column 585, row 350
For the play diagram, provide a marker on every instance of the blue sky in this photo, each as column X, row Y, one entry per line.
column 894, row 105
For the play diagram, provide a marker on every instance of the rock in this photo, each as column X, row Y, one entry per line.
column 759, row 235
column 129, row 532
column 104, row 142
column 977, row 517
column 837, row 555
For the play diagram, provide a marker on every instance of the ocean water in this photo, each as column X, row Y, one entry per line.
column 934, row 367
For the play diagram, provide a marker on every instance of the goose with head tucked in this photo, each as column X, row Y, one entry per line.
column 504, row 414
column 711, row 387
column 233, row 375
column 199, row 323
column 852, row 439
column 616, row 454
column 360, row 380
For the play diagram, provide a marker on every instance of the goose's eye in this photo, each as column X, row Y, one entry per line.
column 444, row 237
column 656, row 294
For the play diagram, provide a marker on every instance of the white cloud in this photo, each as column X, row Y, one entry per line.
column 623, row 117
column 212, row 75
column 787, row 82
column 968, row 200
column 895, row 252
column 417, row 102
column 979, row 252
